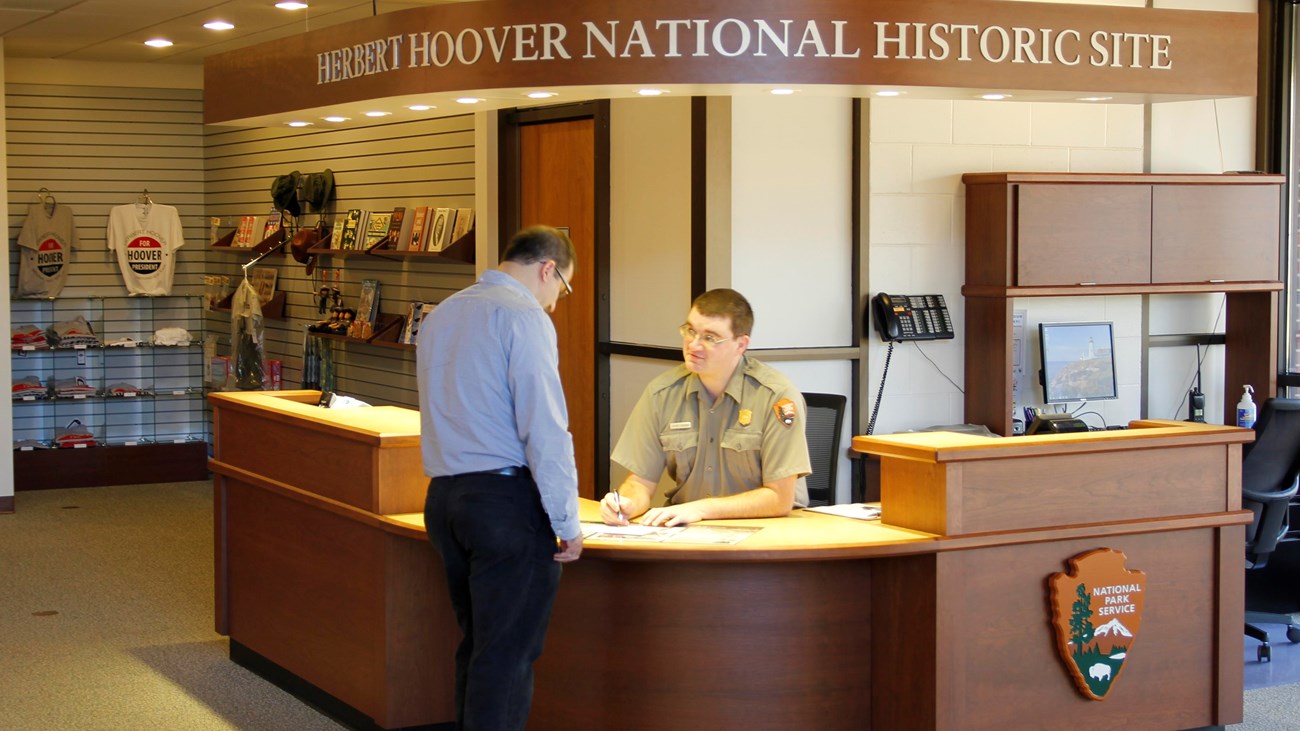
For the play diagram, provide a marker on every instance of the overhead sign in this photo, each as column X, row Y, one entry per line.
column 501, row 44
column 1096, row 613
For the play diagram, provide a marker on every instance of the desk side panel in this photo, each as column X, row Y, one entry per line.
column 923, row 496
column 305, row 591
column 998, row 661
column 1064, row 489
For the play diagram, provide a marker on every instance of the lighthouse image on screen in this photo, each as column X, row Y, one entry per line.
column 1078, row 361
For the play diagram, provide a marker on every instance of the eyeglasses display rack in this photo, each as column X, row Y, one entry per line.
column 108, row 390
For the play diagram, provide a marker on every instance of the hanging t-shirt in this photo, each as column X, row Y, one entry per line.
column 45, row 246
column 146, row 237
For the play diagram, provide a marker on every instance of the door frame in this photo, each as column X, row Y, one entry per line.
column 509, row 220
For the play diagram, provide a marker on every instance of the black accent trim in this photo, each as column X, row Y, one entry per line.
column 304, row 691
column 699, row 194
column 1185, row 339
column 601, row 267
column 857, row 301
column 508, row 184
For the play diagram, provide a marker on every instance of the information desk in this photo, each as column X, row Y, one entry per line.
column 813, row 621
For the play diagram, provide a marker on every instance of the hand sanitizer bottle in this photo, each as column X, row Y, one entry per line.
column 1246, row 408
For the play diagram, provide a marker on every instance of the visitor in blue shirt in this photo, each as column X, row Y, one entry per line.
column 502, row 506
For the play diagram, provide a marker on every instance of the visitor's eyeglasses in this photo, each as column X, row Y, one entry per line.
column 567, row 289
column 709, row 340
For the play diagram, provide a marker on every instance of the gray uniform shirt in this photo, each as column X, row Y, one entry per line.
column 722, row 449
column 487, row 367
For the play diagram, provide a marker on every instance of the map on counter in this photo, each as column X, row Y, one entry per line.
column 708, row 534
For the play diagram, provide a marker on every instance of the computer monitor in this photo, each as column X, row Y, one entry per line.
column 1078, row 361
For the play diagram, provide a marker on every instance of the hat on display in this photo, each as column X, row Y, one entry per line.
column 301, row 244
column 284, row 192
column 318, row 189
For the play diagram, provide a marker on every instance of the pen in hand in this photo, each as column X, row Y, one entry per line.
column 618, row 503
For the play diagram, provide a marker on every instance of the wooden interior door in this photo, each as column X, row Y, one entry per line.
column 557, row 177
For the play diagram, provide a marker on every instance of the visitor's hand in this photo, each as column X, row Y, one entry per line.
column 569, row 549
column 672, row 515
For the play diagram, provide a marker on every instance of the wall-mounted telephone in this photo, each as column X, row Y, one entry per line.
column 911, row 317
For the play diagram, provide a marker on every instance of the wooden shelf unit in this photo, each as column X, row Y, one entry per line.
column 1069, row 235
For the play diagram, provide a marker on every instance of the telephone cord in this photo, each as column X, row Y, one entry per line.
column 880, row 392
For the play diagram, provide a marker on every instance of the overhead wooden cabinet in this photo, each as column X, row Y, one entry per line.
column 1064, row 234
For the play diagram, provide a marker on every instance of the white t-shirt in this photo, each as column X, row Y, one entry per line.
column 45, row 244
column 146, row 237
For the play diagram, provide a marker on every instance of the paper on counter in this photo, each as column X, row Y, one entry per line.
column 861, row 511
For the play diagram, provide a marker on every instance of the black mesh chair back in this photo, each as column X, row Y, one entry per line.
column 1269, row 468
column 825, row 418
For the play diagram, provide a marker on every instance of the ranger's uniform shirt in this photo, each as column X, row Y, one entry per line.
column 45, row 244
column 753, row 435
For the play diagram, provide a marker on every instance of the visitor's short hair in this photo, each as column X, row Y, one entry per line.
column 730, row 304
column 541, row 243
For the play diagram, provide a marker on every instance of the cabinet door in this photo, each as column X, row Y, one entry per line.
column 1204, row 233
column 1075, row 234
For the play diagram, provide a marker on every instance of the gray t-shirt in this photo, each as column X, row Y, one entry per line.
column 753, row 435
column 45, row 246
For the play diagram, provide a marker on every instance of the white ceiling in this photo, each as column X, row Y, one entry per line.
column 115, row 30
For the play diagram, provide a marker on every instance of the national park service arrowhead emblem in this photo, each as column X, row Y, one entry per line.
column 1096, row 612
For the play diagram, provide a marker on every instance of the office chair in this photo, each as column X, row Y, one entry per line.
column 825, row 418
column 1270, row 479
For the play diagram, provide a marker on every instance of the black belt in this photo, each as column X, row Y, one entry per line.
column 512, row 471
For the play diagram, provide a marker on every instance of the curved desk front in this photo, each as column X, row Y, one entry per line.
column 812, row 621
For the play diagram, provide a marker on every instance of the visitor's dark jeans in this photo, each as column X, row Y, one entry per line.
column 498, row 550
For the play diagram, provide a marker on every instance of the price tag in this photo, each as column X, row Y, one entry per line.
column 80, row 446
column 130, row 443
column 129, row 394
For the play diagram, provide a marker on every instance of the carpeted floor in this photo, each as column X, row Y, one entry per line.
column 106, row 618
column 106, row 623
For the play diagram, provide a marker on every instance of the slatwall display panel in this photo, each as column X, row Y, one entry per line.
column 376, row 168
column 94, row 148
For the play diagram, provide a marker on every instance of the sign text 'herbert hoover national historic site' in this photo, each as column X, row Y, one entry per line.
column 757, row 38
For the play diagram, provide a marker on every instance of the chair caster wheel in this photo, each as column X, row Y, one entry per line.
column 1264, row 653
column 1293, row 633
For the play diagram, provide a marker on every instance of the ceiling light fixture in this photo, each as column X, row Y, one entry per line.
column 541, row 94
column 421, row 107
column 291, row 6
column 378, row 114
column 299, row 124
column 1095, row 98
column 219, row 25
column 995, row 97
column 468, row 100
column 158, row 42
column 651, row 92
column 889, row 92
column 783, row 92
column 336, row 119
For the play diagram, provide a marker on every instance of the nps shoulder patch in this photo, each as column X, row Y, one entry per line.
column 785, row 411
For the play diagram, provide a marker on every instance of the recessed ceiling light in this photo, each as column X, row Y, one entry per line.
column 378, row 114
column 783, row 92
column 651, row 92
column 291, row 6
column 1095, row 98
column 158, row 42
column 335, row 118
column 469, row 100
column 421, row 107
column 889, row 92
column 219, row 25
column 995, row 97
column 299, row 124
column 541, row 94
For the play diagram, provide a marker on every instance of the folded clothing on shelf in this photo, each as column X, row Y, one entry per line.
column 172, row 336
column 29, row 387
column 73, row 333
column 28, row 336
column 124, row 389
column 25, row 444
column 121, row 343
column 72, row 387
column 73, row 435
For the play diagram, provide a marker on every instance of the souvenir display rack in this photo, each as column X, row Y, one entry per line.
column 139, row 404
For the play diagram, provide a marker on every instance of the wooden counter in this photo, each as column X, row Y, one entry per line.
column 813, row 621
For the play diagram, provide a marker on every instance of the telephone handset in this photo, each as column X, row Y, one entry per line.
column 911, row 317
